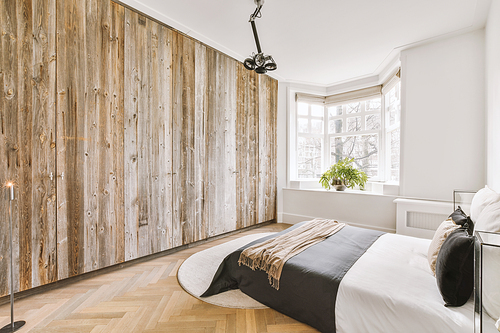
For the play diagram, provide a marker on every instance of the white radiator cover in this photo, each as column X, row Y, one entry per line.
column 420, row 218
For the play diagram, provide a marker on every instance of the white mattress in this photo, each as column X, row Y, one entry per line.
column 391, row 289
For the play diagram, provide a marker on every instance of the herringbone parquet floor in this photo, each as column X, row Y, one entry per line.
column 145, row 297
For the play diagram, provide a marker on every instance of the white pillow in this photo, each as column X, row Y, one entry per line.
column 489, row 219
column 481, row 199
column 442, row 232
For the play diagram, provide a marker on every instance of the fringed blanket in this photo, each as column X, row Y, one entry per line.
column 271, row 255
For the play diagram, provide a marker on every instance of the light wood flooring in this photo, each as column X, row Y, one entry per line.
column 144, row 297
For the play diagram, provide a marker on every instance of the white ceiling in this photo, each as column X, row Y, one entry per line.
column 322, row 42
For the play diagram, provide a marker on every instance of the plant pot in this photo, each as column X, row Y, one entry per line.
column 338, row 185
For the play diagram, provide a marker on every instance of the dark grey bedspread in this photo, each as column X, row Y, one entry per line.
column 309, row 281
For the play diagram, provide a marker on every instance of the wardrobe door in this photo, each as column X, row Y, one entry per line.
column 268, row 90
column 147, row 137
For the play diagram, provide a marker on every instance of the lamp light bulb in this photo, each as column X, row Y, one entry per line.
column 10, row 185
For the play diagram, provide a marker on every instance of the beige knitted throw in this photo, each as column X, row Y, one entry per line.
column 271, row 255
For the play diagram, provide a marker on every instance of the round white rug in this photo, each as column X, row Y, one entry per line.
column 197, row 271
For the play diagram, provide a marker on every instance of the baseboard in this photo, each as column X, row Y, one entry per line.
column 295, row 218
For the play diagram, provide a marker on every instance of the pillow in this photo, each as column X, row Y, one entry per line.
column 461, row 219
column 455, row 268
column 481, row 199
column 489, row 219
column 440, row 236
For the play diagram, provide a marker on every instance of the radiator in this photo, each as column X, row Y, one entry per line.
column 420, row 218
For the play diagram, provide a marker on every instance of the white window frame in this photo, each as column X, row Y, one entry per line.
column 384, row 141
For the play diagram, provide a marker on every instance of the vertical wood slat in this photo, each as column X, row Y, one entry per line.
column 25, row 211
column 160, row 154
column 109, row 226
column 201, row 221
column 164, row 162
column 183, row 111
column 4, row 158
column 231, row 173
column 247, row 147
column 142, row 64
column 44, row 240
column 130, row 138
column 92, row 106
column 9, row 161
column 70, row 136
column 117, row 53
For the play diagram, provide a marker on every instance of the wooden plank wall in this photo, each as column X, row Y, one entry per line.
column 124, row 138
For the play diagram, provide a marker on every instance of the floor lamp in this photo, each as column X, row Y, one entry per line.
column 13, row 326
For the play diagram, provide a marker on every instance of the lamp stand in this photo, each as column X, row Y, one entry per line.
column 13, row 326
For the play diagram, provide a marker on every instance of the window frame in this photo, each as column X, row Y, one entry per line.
column 384, row 149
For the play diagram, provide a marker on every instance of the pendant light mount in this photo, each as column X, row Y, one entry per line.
column 259, row 62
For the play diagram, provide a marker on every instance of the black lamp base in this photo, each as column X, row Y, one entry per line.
column 8, row 327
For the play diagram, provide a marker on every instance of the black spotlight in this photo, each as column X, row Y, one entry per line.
column 259, row 62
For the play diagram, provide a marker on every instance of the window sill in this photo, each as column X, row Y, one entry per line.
column 375, row 188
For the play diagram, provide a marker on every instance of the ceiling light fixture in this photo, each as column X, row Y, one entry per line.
column 259, row 62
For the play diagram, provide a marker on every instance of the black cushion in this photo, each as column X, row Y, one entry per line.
column 460, row 218
column 455, row 268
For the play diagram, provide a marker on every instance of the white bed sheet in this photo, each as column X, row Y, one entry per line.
column 391, row 289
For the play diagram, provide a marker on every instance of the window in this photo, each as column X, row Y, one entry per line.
column 364, row 125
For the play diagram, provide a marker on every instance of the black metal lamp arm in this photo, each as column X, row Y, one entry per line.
column 254, row 28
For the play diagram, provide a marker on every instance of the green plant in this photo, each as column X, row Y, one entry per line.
column 343, row 171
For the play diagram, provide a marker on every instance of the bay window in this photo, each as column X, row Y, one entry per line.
column 363, row 125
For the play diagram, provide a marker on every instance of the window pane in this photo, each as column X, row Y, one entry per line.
column 309, row 157
column 302, row 125
column 373, row 122
column 393, row 106
column 317, row 110
column 363, row 148
column 394, row 137
column 335, row 111
column 374, row 104
column 353, row 107
column 335, row 126
column 302, row 109
column 317, row 126
column 353, row 124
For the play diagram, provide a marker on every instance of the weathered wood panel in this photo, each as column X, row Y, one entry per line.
column 130, row 137
column 160, row 169
column 148, row 136
column 267, row 149
column 221, row 144
column 109, row 148
column 230, row 173
column 43, row 141
column 116, row 104
column 183, row 112
column 201, row 111
column 158, row 139
column 71, row 115
column 24, row 145
column 9, row 161
column 92, row 105
column 163, row 165
column 247, row 147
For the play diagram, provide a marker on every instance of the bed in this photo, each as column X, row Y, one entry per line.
column 360, row 280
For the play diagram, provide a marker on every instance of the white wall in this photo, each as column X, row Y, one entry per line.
column 493, row 95
column 359, row 209
column 443, row 117
column 443, row 136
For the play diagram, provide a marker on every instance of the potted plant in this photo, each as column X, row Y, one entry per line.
column 343, row 174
